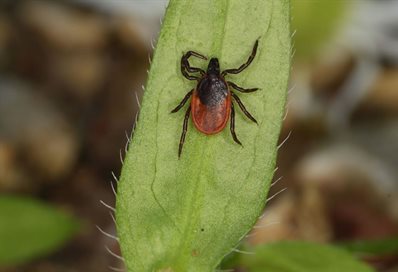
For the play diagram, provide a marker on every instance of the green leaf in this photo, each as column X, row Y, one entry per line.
column 186, row 214
column 372, row 247
column 30, row 229
column 301, row 257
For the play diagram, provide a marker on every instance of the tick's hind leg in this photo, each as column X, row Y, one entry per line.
column 242, row 107
column 186, row 67
column 240, row 89
column 183, row 101
column 233, row 125
column 184, row 131
column 244, row 65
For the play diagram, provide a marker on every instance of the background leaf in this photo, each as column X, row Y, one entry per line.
column 301, row 257
column 315, row 22
column 186, row 214
column 29, row 229
column 372, row 247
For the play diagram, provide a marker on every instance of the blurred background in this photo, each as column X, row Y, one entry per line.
column 71, row 76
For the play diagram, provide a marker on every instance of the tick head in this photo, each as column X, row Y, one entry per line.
column 214, row 67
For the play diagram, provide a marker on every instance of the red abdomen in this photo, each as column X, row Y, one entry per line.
column 210, row 119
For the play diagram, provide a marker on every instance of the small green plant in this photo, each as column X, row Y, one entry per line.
column 31, row 229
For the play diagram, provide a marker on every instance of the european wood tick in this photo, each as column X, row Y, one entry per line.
column 211, row 103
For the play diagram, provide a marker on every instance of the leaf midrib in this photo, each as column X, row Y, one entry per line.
column 197, row 190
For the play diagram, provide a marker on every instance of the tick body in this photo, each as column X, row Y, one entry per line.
column 211, row 104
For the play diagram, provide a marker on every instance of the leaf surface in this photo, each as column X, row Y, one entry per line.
column 186, row 214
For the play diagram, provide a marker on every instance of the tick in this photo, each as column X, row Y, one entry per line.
column 211, row 104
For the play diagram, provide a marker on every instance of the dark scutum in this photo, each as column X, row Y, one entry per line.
column 212, row 90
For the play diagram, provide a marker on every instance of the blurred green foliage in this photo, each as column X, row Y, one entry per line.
column 29, row 229
column 296, row 256
column 372, row 247
column 314, row 22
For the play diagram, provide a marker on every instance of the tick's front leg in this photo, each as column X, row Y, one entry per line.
column 244, row 65
column 186, row 67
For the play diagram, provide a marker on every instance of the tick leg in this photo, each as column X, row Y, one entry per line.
column 190, row 69
column 185, row 67
column 240, row 89
column 244, row 65
column 242, row 107
column 183, row 101
column 184, row 131
column 233, row 125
